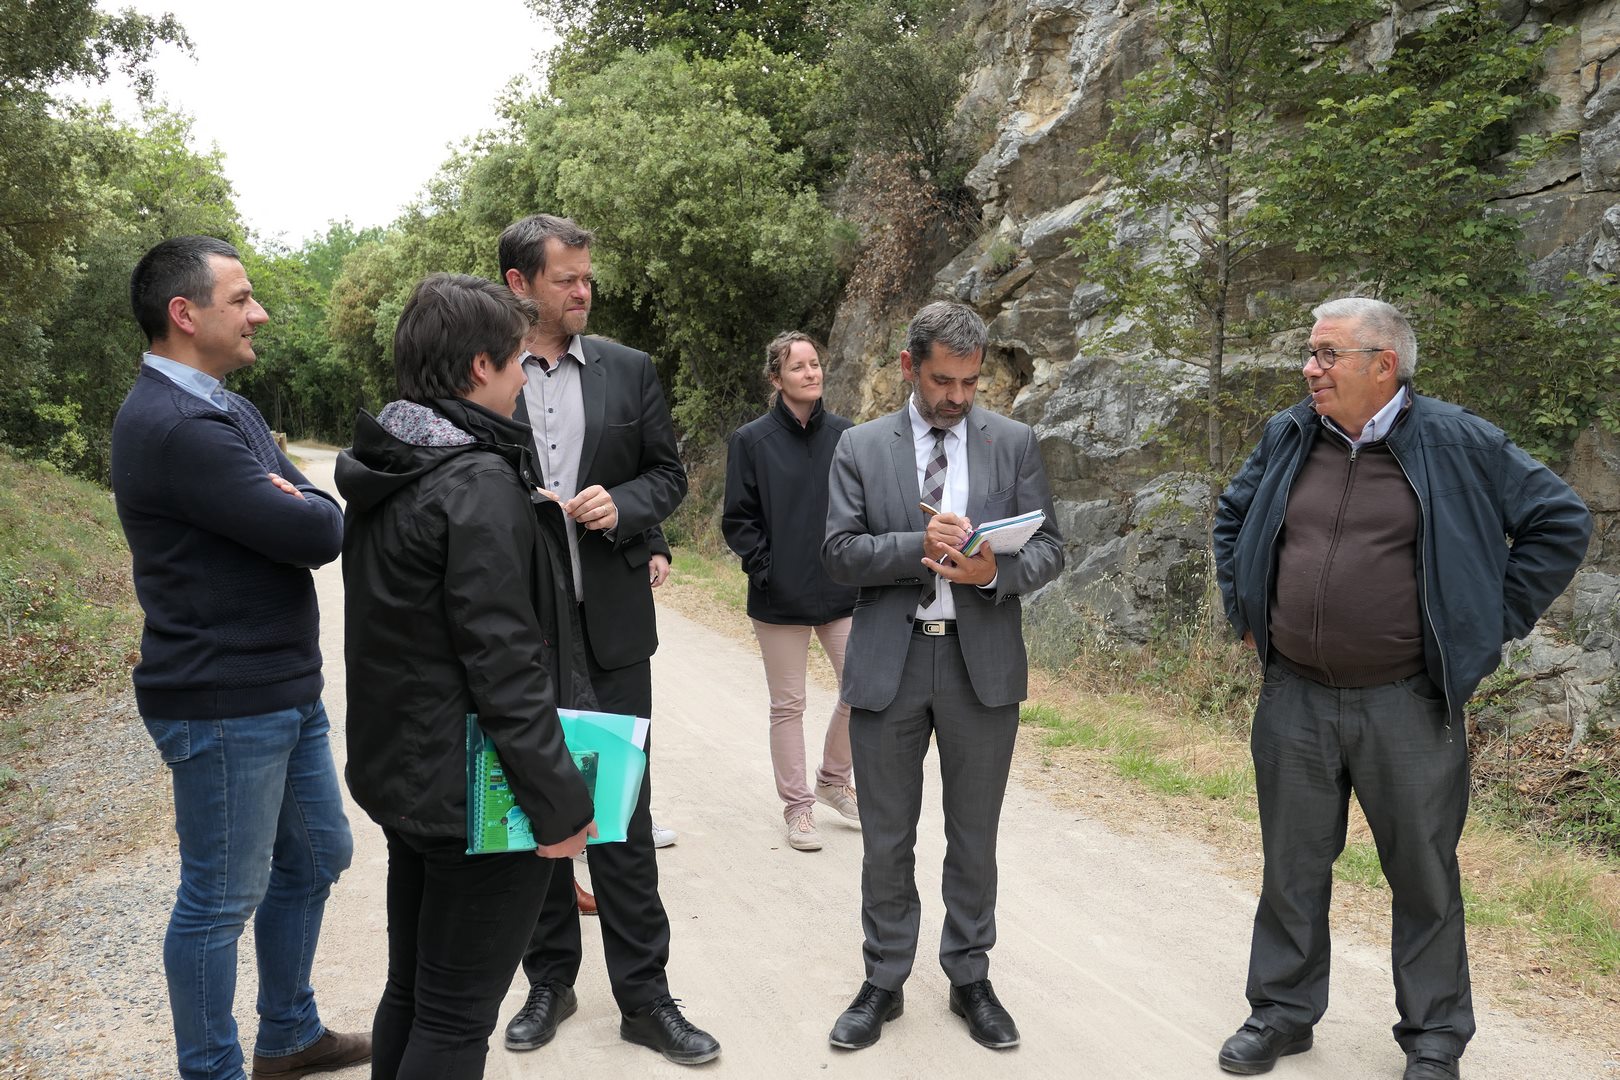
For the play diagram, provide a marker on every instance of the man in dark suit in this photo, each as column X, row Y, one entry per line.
column 936, row 651
column 604, row 443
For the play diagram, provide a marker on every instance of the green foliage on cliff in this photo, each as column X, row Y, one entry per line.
column 1249, row 139
column 1393, row 184
column 1191, row 150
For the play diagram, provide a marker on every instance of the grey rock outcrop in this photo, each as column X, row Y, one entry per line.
column 1137, row 550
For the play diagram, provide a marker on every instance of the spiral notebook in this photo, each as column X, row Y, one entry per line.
column 608, row 749
column 495, row 822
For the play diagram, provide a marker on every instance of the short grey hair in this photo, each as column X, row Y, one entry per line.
column 955, row 326
column 1377, row 325
column 523, row 243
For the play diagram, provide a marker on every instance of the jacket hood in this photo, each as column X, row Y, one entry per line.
column 407, row 440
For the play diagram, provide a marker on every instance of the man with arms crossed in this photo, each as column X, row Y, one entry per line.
column 936, row 650
column 223, row 530
column 604, row 444
column 1376, row 550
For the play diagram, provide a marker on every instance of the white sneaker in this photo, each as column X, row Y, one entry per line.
column 801, row 833
column 841, row 797
column 662, row 837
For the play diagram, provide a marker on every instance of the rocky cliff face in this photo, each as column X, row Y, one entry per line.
column 1051, row 68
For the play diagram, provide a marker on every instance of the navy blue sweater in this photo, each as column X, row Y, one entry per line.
column 221, row 556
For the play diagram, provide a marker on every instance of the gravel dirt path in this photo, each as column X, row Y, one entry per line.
column 1121, row 951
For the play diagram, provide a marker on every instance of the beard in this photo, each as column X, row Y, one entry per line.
column 933, row 417
column 573, row 322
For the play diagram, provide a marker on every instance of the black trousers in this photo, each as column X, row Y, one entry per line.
column 1313, row 745
column 457, row 926
column 624, row 876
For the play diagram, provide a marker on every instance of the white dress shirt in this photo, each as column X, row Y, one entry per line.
column 953, row 501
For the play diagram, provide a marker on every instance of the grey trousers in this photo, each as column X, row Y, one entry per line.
column 1313, row 745
column 975, row 752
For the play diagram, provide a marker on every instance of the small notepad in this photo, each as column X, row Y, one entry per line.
column 1005, row 536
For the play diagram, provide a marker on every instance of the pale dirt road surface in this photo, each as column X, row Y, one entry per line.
column 1120, row 955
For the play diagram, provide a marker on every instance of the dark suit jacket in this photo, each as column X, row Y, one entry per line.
column 875, row 540
column 630, row 450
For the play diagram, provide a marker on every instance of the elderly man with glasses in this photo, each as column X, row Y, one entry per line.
column 1376, row 550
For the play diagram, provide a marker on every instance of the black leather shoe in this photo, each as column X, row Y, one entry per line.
column 1255, row 1048
column 548, row 1005
column 1431, row 1065
column 988, row 1023
column 661, row 1027
column 860, row 1025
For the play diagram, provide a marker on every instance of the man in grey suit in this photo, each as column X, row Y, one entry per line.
column 936, row 649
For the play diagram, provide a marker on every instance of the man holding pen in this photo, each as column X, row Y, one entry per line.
column 936, row 652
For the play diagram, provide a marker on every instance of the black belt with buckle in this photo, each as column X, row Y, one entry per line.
column 933, row 627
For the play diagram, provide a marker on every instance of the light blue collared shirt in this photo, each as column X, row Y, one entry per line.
column 1378, row 427
column 188, row 378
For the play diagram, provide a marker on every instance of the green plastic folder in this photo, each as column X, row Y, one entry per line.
column 607, row 750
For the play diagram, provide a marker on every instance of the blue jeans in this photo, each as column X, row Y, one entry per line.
column 260, row 820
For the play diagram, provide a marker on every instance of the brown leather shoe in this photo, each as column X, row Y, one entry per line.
column 586, row 902
column 334, row 1050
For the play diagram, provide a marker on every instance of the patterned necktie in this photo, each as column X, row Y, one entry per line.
column 933, row 494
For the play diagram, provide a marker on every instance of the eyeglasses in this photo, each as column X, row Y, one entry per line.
column 1326, row 358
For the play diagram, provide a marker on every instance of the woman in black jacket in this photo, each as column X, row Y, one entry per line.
column 457, row 600
column 775, row 517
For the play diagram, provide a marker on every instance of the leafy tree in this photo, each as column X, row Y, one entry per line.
column 150, row 185
column 1393, row 182
column 709, row 241
column 46, row 204
column 897, row 71
column 594, row 34
column 298, row 382
column 1190, row 147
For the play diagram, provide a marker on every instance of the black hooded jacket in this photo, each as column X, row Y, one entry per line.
column 457, row 600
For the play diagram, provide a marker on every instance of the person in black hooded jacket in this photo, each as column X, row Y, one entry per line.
column 457, row 601
column 774, row 520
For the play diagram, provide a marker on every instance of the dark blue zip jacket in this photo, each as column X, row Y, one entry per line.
column 1501, row 534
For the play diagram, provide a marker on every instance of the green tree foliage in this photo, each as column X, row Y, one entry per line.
column 299, row 381
column 46, row 204
column 1190, row 150
column 1393, row 184
column 896, row 72
column 150, row 185
column 594, row 34
column 703, row 225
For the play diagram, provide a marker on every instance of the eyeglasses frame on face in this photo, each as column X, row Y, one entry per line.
column 1332, row 356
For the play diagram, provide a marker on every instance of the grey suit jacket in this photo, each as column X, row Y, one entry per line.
column 875, row 540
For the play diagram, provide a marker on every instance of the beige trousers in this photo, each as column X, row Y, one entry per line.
column 786, row 651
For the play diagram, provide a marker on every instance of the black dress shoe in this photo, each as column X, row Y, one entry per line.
column 860, row 1025
column 1255, row 1048
column 661, row 1027
column 1431, row 1065
column 548, row 1005
column 988, row 1023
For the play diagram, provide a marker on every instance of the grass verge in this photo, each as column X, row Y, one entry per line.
column 68, row 617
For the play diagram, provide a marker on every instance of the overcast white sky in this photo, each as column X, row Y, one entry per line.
column 342, row 108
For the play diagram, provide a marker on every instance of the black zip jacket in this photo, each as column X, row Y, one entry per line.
column 457, row 600
column 1500, row 537
column 776, row 515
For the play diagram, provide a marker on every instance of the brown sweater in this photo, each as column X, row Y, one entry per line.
column 1346, row 609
